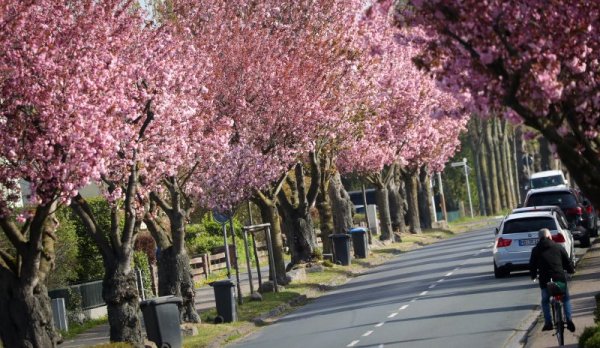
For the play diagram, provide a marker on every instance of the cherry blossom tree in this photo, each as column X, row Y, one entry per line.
column 539, row 59
column 59, row 97
column 411, row 117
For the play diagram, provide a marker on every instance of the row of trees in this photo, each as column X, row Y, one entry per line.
column 203, row 104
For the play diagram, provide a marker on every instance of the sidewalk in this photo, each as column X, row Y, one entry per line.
column 582, row 288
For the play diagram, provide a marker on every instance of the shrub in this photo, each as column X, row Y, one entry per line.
column 144, row 242
column 327, row 263
column 66, row 251
column 140, row 261
column 593, row 341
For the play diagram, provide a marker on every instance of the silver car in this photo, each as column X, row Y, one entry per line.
column 518, row 234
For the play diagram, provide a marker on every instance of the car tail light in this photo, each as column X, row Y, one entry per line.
column 589, row 209
column 502, row 243
column 558, row 238
column 574, row 211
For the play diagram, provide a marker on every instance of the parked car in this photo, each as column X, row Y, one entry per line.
column 579, row 211
column 518, row 234
column 547, row 178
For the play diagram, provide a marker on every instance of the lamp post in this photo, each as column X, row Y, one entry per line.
column 464, row 164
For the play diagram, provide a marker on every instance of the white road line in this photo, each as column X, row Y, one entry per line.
column 441, row 280
column 413, row 300
column 403, row 307
column 380, row 324
column 449, row 274
column 353, row 343
column 393, row 315
column 423, row 293
column 482, row 250
column 456, row 269
column 432, row 286
column 367, row 333
column 380, row 346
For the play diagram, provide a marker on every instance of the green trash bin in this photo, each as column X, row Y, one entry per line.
column 161, row 318
column 225, row 301
column 360, row 242
column 341, row 248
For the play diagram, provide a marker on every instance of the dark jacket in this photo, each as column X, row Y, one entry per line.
column 550, row 260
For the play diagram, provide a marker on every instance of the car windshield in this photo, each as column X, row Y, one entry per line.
column 547, row 181
column 562, row 199
column 528, row 225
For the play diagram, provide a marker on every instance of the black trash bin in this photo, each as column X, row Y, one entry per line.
column 360, row 242
column 161, row 318
column 225, row 301
column 341, row 249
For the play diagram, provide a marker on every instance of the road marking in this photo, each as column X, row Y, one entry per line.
column 367, row 333
column 441, row 280
column 380, row 324
column 432, row 286
column 353, row 343
column 489, row 245
column 456, row 269
column 423, row 293
column 403, row 307
column 413, row 300
column 380, row 346
column 482, row 250
column 393, row 315
column 449, row 274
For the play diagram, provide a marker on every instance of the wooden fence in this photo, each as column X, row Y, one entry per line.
column 205, row 264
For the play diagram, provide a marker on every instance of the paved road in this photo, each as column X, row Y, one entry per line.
column 443, row 295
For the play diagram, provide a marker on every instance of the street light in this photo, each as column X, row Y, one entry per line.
column 464, row 164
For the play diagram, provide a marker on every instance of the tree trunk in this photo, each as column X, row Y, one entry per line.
column 269, row 214
column 545, row 154
column 25, row 311
column 119, row 291
column 412, row 186
column 175, row 278
column 508, row 165
column 323, row 203
column 397, row 211
column 425, row 210
column 341, row 205
column 383, row 206
column 501, row 173
column 485, row 179
column 523, row 177
column 26, row 314
column 303, row 241
column 493, row 170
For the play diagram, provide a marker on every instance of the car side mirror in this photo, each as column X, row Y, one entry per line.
column 496, row 231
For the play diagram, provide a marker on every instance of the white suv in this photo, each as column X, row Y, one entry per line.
column 518, row 234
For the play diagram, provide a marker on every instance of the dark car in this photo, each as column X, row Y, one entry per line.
column 579, row 211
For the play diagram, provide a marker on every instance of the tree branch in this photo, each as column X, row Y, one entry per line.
column 83, row 211
column 8, row 262
column 161, row 202
column 12, row 233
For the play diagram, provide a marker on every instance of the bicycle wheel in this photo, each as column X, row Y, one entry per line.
column 559, row 323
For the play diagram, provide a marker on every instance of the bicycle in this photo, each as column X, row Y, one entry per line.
column 556, row 290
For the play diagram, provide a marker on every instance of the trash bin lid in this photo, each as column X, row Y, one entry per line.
column 222, row 283
column 358, row 230
column 339, row 235
column 161, row 300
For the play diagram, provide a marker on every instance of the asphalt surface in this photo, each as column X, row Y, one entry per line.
column 443, row 295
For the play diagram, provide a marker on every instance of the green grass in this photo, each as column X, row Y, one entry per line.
column 76, row 329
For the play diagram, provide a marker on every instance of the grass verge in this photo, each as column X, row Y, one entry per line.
column 76, row 329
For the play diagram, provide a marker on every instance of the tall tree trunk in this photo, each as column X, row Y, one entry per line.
column 341, row 204
column 545, row 154
column 493, row 170
column 295, row 211
column 411, row 181
column 174, row 271
column 381, row 197
column 523, row 177
column 485, row 179
column 270, row 214
column 501, row 173
column 323, row 202
column 424, row 194
column 119, row 291
column 475, row 139
column 508, row 165
column 397, row 202
column 25, row 311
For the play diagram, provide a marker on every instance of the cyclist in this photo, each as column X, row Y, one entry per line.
column 550, row 261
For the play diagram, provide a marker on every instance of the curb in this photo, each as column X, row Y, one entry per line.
column 263, row 319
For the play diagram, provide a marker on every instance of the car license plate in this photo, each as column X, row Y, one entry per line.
column 526, row 242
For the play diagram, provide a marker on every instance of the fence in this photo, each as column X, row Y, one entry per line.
column 91, row 294
column 205, row 264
